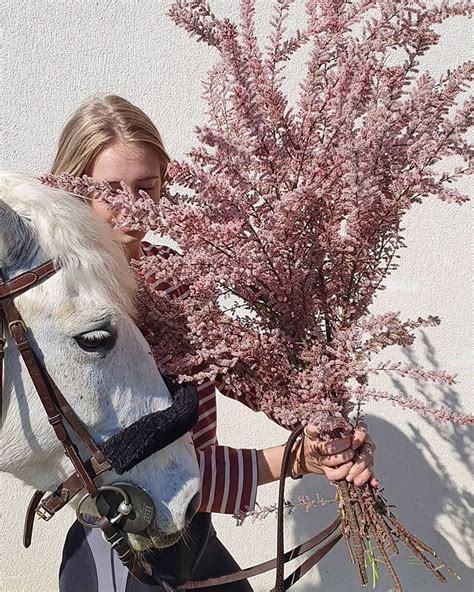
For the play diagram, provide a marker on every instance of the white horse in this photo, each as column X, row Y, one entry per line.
column 80, row 323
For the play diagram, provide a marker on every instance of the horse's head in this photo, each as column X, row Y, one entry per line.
column 81, row 329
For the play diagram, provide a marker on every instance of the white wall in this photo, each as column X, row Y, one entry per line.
column 57, row 53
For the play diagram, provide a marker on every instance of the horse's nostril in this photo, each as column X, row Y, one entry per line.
column 193, row 507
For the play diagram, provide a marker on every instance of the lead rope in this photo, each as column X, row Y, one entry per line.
column 280, row 567
column 144, row 572
column 140, row 569
column 280, row 584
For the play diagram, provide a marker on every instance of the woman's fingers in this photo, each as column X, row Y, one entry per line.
column 359, row 435
column 332, row 460
column 335, row 446
column 348, row 458
column 365, row 476
column 363, row 460
column 331, row 447
column 374, row 482
column 338, row 473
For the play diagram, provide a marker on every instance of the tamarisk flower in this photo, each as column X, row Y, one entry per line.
column 289, row 210
column 302, row 502
column 135, row 213
column 289, row 213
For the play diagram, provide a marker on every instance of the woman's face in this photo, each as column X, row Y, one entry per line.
column 138, row 166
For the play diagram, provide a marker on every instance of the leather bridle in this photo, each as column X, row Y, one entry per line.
column 59, row 412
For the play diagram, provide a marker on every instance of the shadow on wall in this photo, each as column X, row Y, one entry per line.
column 427, row 501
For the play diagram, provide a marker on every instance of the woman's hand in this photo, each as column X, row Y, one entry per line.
column 350, row 458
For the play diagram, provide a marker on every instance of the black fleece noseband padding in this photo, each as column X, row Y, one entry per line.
column 154, row 431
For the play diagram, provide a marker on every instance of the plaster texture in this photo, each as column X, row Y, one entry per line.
column 56, row 53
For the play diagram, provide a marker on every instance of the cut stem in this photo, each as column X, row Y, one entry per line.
column 354, row 531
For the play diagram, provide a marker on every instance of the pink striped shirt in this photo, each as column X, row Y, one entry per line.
column 228, row 475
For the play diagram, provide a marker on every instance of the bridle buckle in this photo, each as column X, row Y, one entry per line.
column 44, row 513
column 19, row 322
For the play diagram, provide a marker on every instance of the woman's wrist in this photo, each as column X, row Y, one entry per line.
column 269, row 461
column 297, row 466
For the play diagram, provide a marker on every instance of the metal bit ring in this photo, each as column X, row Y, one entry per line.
column 126, row 501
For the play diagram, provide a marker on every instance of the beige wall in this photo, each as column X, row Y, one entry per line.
column 58, row 52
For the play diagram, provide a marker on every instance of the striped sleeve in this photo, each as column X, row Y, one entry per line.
column 176, row 290
column 204, row 432
column 162, row 250
column 228, row 479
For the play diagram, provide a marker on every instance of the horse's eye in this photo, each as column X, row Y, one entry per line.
column 98, row 340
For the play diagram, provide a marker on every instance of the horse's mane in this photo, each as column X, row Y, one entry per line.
column 71, row 234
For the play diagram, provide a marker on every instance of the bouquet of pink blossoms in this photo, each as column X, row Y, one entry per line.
column 293, row 218
column 289, row 217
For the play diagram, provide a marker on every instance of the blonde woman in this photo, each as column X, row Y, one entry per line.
column 111, row 139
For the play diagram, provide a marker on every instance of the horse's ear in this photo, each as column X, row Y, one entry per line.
column 17, row 243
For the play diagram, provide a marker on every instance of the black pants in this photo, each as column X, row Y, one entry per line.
column 89, row 564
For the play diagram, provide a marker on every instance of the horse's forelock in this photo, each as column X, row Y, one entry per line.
column 70, row 233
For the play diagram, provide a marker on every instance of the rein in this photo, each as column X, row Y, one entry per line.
column 169, row 424
column 281, row 583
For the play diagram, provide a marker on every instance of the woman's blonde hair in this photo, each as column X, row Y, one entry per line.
column 96, row 125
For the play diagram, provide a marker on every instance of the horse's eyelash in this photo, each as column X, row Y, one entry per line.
column 95, row 335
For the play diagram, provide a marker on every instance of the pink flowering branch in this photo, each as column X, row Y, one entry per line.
column 408, row 370
column 414, row 404
column 131, row 212
column 290, row 213
column 302, row 502
column 296, row 213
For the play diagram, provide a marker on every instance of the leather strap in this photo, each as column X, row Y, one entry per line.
column 281, row 584
column 46, row 508
column 139, row 568
column 25, row 281
column 74, row 421
column 54, row 403
column 280, row 567
column 12, row 288
column 30, row 516
column 19, row 333
column 2, row 357
column 261, row 568
column 72, row 486
column 309, row 563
